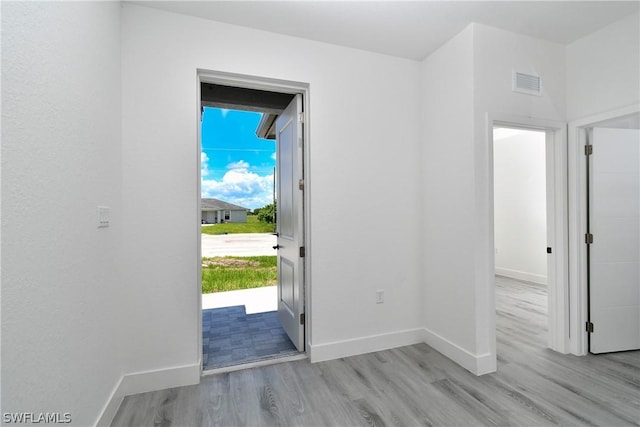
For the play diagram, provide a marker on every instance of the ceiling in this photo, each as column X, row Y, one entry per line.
column 408, row 29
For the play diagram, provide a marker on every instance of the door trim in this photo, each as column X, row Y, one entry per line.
column 577, row 181
column 558, row 293
column 274, row 85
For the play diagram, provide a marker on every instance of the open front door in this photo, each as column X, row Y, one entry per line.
column 290, row 222
column 614, row 240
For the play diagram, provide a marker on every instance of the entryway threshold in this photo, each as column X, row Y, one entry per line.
column 256, row 364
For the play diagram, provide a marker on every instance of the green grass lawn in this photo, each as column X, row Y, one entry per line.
column 231, row 273
column 251, row 226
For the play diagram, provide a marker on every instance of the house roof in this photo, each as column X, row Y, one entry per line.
column 219, row 205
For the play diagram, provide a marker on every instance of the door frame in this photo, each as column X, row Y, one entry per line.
column 274, row 85
column 558, row 292
column 579, row 343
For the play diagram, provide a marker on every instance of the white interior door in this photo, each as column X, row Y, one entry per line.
column 614, row 255
column 290, row 222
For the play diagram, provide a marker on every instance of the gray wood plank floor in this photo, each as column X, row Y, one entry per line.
column 416, row 386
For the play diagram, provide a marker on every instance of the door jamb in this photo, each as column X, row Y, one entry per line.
column 578, row 343
column 275, row 85
column 558, row 295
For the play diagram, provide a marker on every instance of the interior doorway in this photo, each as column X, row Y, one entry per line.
column 520, row 230
column 233, row 335
column 556, row 248
column 583, row 194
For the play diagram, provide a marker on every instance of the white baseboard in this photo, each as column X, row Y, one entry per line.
column 522, row 275
column 353, row 347
column 141, row 382
column 476, row 364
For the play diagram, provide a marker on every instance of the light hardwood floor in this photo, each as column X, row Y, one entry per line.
column 416, row 385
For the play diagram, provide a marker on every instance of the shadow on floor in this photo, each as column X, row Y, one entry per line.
column 231, row 337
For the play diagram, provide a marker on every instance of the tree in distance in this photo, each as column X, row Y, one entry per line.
column 267, row 214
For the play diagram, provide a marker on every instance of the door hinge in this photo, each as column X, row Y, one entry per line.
column 301, row 184
column 302, row 252
column 300, row 117
column 302, row 318
column 589, row 327
column 588, row 149
column 588, row 238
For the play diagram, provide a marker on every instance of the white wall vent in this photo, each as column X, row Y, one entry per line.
column 529, row 84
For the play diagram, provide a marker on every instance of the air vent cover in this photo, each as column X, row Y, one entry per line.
column 529, row 84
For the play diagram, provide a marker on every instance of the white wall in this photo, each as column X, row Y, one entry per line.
column 363, row 158
column 463, row 82
column 447, row 196
column 520, row 205
column 603, row 69
column 237, row 216
column 61, row 289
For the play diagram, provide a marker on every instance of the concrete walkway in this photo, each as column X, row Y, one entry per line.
column 257, row 300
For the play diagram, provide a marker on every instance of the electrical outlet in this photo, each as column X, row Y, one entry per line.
column 103, row 216
column 379, row 296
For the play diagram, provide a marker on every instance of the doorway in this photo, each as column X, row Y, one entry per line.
column 520, row 230
column 555, row 249
column 579, row 227
column 233, row 332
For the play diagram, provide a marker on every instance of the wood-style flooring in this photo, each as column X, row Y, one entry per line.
column 416, row 386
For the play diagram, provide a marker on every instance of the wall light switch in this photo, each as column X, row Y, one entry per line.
column 103, row 216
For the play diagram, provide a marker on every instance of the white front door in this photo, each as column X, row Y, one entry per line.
column 614, row 255
column 289, row 218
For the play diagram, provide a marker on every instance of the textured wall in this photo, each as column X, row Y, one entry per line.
column 61, row 291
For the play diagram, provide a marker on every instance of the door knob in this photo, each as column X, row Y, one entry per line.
column 276, row 247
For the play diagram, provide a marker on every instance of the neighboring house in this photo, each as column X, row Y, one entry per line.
column 216, row 211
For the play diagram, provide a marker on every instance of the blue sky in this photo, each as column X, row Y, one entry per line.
column 237, row 166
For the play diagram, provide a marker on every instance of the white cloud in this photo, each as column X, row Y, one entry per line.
column 240, row 186
column 204, row 164
column 238, row 165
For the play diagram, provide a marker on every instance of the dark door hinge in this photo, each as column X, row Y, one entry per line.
column 590, row 327
column 302, row 252
column 588, row 150
column 301, row 184
column 588, row 238
column 302, row 318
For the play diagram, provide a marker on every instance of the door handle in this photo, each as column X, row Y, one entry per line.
column 276, row 247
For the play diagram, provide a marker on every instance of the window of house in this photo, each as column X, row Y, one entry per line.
column 227, row 214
